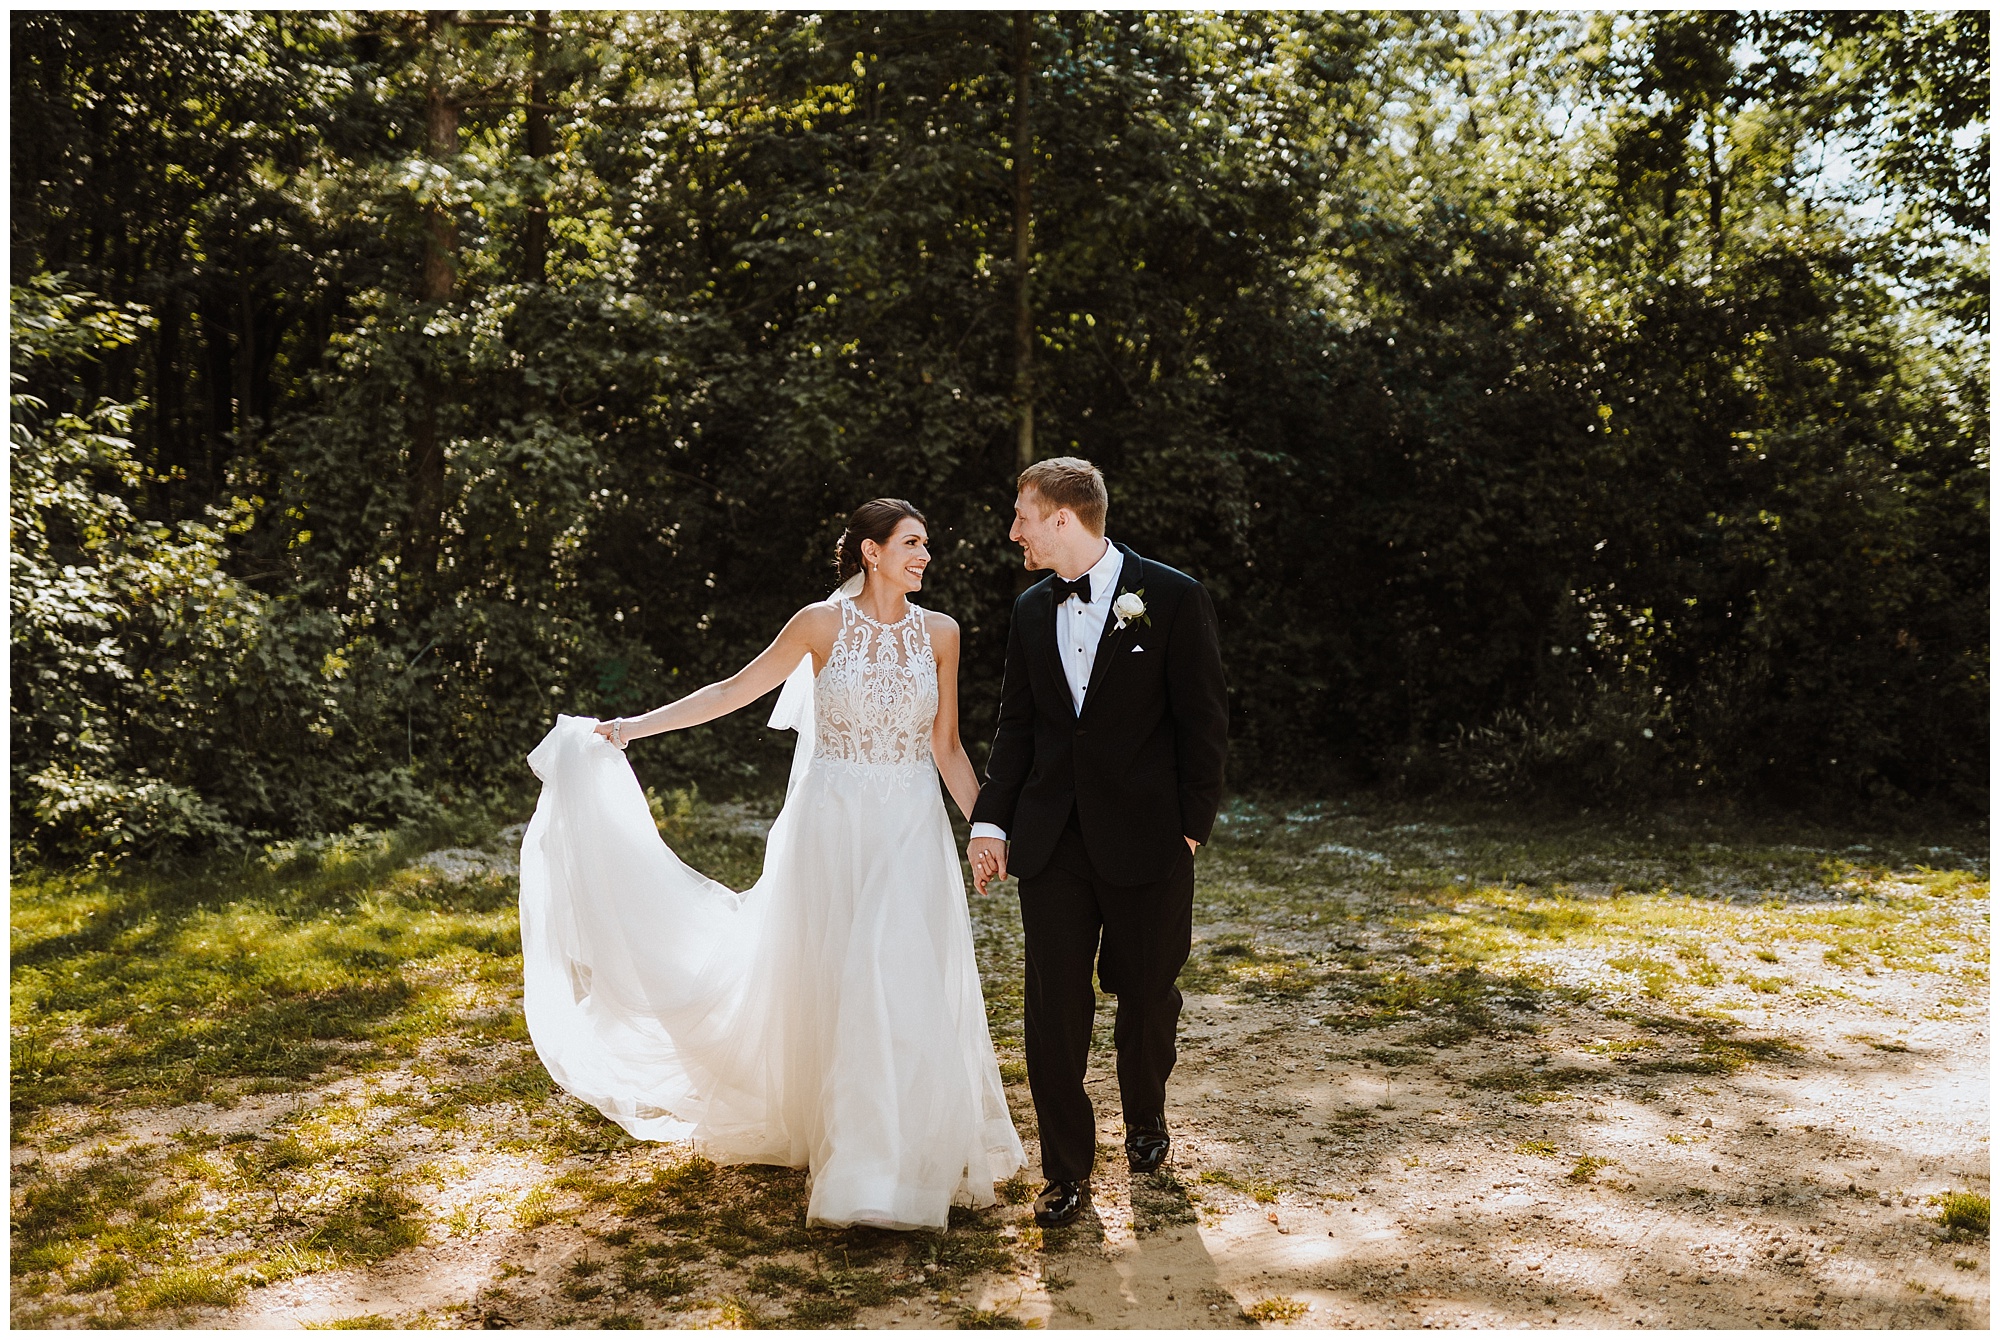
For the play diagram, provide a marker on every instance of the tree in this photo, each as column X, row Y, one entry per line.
column 1543, row 402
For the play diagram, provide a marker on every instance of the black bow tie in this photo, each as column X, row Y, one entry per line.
column 1080, row 588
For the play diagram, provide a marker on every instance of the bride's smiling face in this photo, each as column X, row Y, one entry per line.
column 900, row 560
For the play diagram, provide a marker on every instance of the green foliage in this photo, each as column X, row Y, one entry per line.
column 1261, row 1190
column 108, row 611
column 1543, row 409
column 150, row 686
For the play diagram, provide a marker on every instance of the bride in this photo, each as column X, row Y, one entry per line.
column 830, row 1016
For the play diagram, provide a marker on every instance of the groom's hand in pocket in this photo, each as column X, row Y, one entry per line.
column 988, row 859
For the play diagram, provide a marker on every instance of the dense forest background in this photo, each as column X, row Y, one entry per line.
column 1592, row 405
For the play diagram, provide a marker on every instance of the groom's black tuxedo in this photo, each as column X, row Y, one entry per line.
column 1142, row 763
column 1096, row 805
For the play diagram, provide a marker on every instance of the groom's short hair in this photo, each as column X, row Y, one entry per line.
column 1072, row 482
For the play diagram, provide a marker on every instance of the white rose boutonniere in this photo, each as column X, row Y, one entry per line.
column 1130, row 606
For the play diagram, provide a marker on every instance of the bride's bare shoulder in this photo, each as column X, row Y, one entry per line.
column 942, row 628
column 814, row 628
column 819, row 622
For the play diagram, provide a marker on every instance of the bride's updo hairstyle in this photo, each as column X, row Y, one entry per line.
column 875, row 520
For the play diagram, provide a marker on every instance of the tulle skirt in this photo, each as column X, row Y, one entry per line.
column 830, row 1017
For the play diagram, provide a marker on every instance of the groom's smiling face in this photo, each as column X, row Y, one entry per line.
column 1038, row 529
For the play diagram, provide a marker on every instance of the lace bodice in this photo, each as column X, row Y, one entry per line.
column 876, row 698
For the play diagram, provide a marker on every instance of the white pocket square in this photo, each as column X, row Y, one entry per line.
column 1138, row 649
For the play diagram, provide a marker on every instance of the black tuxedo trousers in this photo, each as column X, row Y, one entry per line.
column 1135, row 939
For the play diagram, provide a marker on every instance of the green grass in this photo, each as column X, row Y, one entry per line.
column 981, row 1319
column 1963, row 1213
column 1276, row 1310
column 1261, row 1190
column 104, row 1273
column 275, row 974
column 1393, row 1057
column 375, row 1220
column 1468, row 923
column 188, row 1286
column 1160, row 1199
column 179, row 987
column 1587, row 1167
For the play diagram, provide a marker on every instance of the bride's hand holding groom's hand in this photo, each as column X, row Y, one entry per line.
column 988, row 858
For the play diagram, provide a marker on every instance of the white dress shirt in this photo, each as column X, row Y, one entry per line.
column 1079, row 627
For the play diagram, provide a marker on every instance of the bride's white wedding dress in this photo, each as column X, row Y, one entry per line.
column 830, row 1016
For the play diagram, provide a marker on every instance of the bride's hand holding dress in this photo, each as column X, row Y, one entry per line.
column 810, row 632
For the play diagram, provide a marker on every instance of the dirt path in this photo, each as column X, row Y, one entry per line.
column 1379, row 1197
column 1399, row 1200
column 1370, row 1133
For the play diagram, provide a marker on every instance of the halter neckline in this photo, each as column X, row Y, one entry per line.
column 855, row 605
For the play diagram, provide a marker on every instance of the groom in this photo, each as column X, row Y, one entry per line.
column 1105, row 776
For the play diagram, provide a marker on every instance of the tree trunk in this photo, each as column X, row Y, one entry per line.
column 1024, row 315
column 246, row 363
column 1717, row 184
column 221, row 376
column 274, row 321
column 166, row 397
column 441, row 135
column 535, row 239
column 427, row 474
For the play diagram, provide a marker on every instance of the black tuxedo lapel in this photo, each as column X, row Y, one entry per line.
column 1045, row 620
column 1113, row 638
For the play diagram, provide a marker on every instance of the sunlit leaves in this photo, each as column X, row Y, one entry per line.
column 1602, row 391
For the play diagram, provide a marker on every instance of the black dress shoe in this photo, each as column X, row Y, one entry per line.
column 1060, row 1203
column 1146, row 1145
